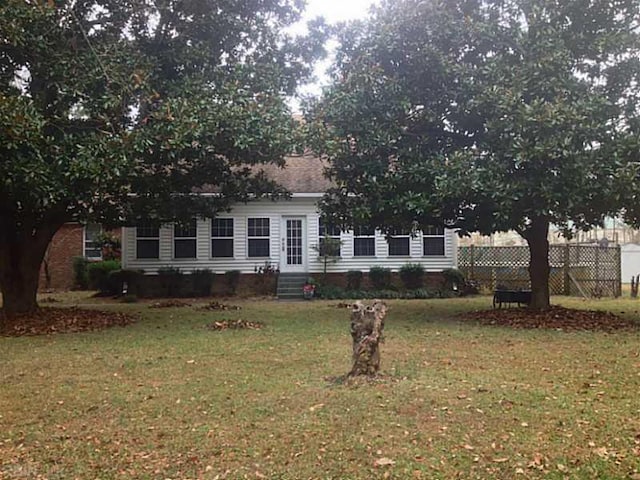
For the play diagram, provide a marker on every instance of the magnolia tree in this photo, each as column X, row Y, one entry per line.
column 114, row 111
column 485, row 116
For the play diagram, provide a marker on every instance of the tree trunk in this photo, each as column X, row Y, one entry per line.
column 537, row 238
column 20, row 258
column 367, row 324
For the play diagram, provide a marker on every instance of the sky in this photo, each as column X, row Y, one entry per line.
column 333, row 11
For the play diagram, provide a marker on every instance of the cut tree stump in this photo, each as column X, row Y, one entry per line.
column 367, row 324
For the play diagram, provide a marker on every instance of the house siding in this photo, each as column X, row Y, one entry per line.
column 299, row 207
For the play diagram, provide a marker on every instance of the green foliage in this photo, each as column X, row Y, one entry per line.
column 111, row 246
column 412, row 276
column 131, row 280
column 171, row 281
column 328, row 251
column 117, row 110
column 202, row 282
column 380, row 278
column 354, row 279
column 453, row 277
column 99, row 276
column 334, row 292
column 232, row 278
column 486, row 116
column 80, row 275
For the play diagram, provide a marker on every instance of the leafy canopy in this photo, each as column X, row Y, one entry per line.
column 486, row 115
column 115, row 110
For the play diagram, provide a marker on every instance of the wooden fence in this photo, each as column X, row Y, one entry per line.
column 578, row 270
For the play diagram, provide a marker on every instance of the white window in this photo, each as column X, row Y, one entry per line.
column 433, row 241
column 92, row 245
column 222, row 237
column 147, row 241
column 364, row 242
column 185, row 239
column 258, row 237
column 329, row 231
column 398, row 243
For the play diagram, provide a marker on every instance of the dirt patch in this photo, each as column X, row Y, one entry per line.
column 235, row 325
column 558, row 318
column 49, row 320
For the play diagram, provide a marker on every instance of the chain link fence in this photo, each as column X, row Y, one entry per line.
column 577, row 270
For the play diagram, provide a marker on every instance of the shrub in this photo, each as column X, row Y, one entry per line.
column 380, row 278
column 330, row 292
column 131, row 279
column 354, row 279
column 453, row 279
column 170, row 281
column 412, row 276
column 80, row 275
column 99, row 279
column 202, row 282
column 232, row 277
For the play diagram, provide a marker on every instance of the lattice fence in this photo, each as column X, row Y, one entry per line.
column 579, row 270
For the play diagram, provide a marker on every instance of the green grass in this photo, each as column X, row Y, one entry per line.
column 166, row 398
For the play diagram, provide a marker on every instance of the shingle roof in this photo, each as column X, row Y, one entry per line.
column 301, row 174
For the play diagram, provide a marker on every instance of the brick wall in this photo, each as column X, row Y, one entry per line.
column 66, row 244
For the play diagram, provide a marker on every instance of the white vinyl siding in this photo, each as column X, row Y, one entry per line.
column 274, row 211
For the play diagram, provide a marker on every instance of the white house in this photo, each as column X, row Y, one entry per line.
column 282, row 234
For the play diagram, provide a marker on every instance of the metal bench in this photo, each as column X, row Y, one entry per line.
column 521, row 297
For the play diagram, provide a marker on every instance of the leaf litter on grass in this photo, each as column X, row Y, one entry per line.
column 237, row 324
column 49, row 320
column 558, row 318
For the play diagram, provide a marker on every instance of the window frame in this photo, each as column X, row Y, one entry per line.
column 397, row 234
column 369, row 236
column 86, row 241
column 322, row 234
column 427, row 235
column 193, row 224
column 255, row 237
column 222, row 238
column 147, row 238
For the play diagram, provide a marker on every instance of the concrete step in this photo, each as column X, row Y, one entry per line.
column 290, row 285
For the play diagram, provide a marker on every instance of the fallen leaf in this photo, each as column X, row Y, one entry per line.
column 383, row 462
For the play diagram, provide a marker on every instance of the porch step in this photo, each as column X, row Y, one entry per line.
column 290, row 285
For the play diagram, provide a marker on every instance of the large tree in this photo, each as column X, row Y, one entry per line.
column 114, row 110
column 485, row 115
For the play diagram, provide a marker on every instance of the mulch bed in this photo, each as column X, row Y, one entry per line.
column 234, row 325
column 49, row 320
column 558, row 318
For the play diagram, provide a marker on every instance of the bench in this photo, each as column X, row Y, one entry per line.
column 521, row 297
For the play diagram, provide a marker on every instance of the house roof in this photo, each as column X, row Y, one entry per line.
column 301, row 174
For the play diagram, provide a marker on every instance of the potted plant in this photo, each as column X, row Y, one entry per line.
column 308, row 290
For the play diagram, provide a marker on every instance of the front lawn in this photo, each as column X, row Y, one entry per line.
column 168, row 398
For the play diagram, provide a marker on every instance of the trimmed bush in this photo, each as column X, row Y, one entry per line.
column 354, row 279
column 330, row 292
column 132, row 279
column 202, row 282
column 99, row 278
column 80, row 275
column 412, row 276
column 380, row 278
column 453, row 279
column 232, row 278
column 170, row 281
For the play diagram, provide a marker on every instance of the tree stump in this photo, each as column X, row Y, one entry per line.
column 367, row 323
